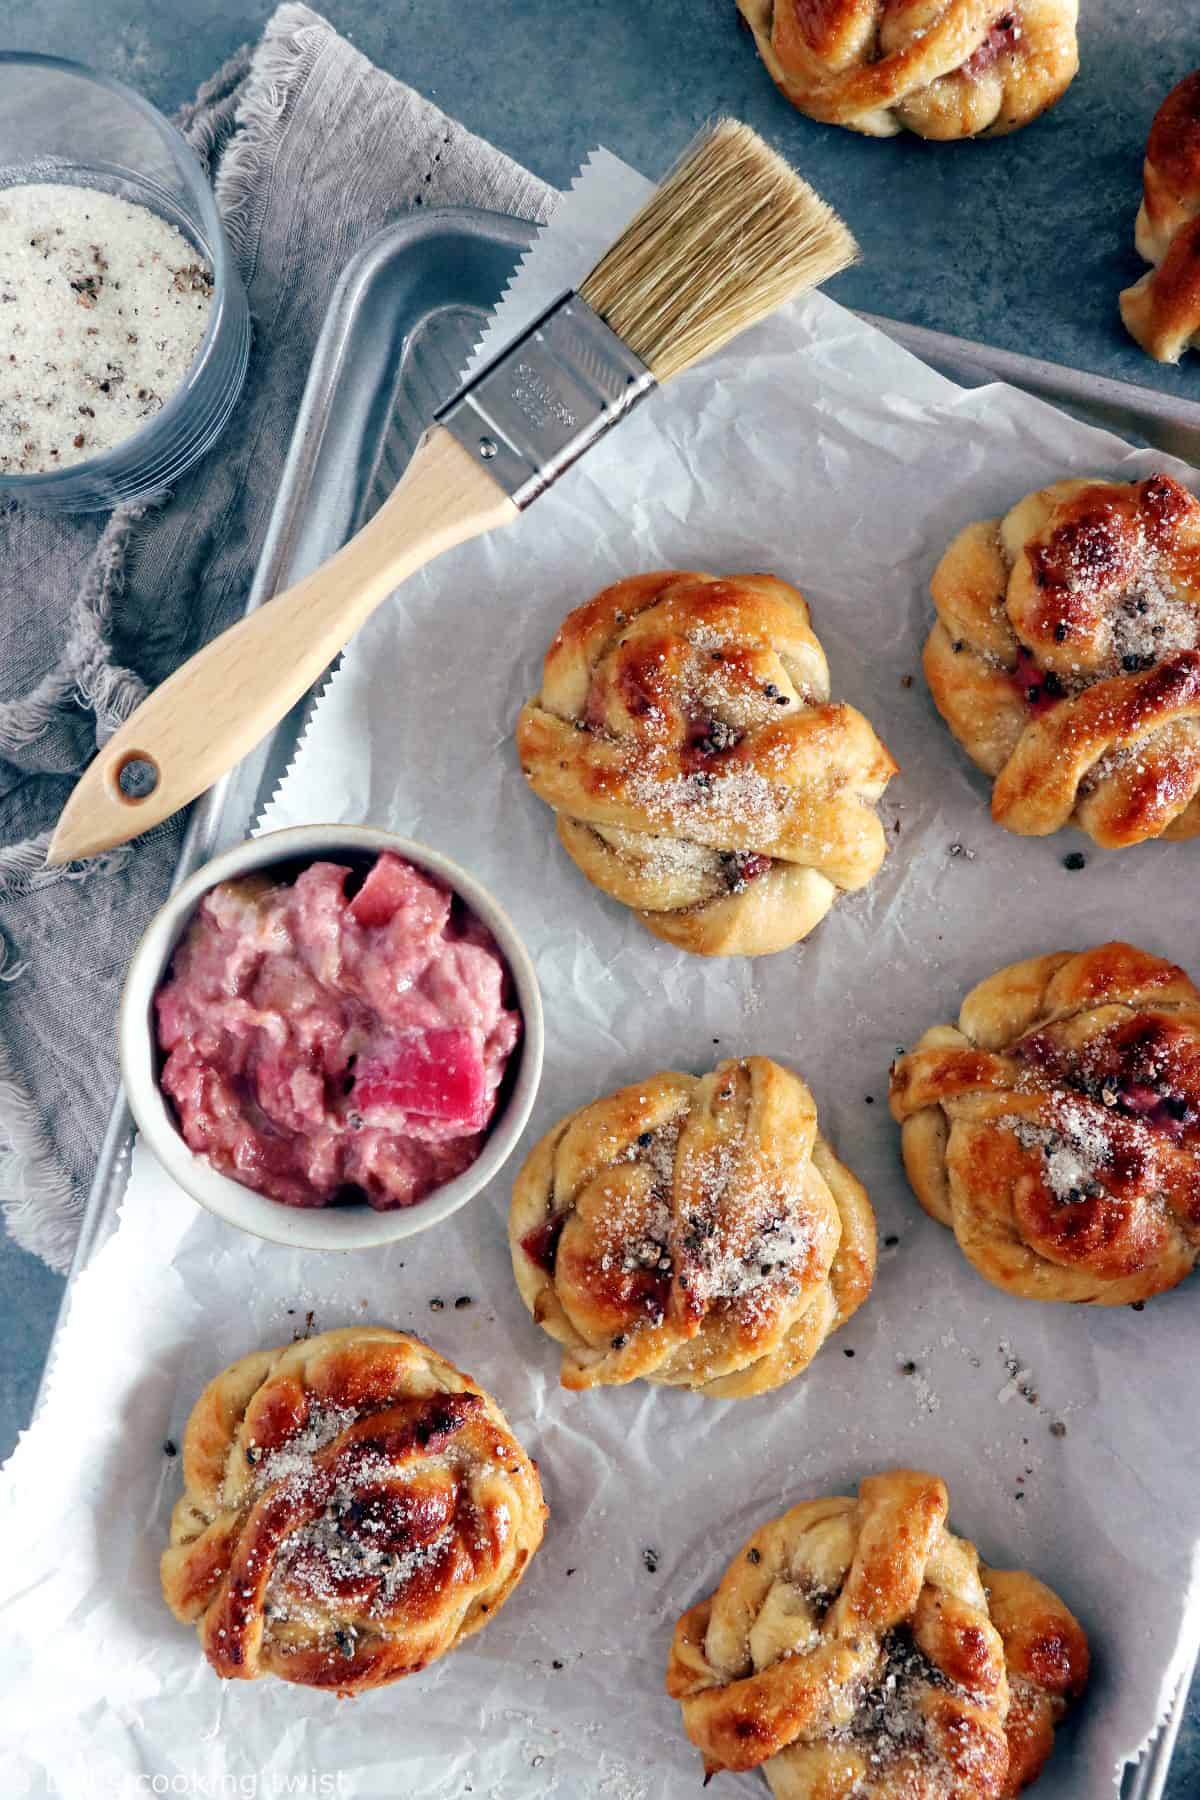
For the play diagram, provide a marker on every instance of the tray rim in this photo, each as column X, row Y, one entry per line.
column 1163, row 419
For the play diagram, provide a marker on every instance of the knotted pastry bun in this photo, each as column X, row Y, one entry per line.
column 1065, row 658
column 685, row 738
column 353, row 1508
column 941, row 68
column 857, row 1650
column 1162, row 310
column 697, row 1232
column 1056, row 1129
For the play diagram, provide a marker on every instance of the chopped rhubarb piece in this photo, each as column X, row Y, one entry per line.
column 1043, row 1052
column 382, row 893
column 1171, row 1117
column 648, row 1291
column 707, row 739
column 740, row 867
column 1004, row 36
column 541, row 1244
column 435, row 1074
column 1168, row 1113
column 1139, row 1097
column 1041, row 689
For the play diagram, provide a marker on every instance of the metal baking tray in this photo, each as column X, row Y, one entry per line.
column 405, row 316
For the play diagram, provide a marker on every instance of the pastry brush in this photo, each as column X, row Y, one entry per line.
column 730, row 235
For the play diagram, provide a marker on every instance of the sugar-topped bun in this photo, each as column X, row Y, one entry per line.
column 1162, row 310
column 941, row 68
column 1066, row 658
column 857, row 1650
column 1056, row 1127
column 685, row 737
column 695, row 1231
column 353, row 1508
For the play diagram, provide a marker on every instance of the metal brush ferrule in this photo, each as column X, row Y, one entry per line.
column 547, row 399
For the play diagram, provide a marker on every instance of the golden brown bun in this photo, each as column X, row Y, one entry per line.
column 685, row 737
column 1056, row 1128
column 1065, row 658
column 941, row 68
column 353, row 1507
column 1162, row 310
column 695, row 1232
column 856, row 1650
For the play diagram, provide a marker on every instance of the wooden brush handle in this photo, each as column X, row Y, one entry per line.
column 217, row 706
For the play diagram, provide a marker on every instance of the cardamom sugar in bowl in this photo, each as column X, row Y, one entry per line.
column 124, row 329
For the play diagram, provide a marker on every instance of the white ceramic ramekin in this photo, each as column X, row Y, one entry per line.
column 353, row 1227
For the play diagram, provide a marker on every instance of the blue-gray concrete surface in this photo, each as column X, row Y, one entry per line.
column 1023, row 242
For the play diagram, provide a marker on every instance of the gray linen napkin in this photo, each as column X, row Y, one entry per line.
column 312, row 150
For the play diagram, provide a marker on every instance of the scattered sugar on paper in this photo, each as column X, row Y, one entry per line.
column 1020, row 1383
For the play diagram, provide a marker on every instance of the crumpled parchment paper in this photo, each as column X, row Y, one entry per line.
column 818, row 450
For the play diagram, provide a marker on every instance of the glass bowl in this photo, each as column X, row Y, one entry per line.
column 61, row 122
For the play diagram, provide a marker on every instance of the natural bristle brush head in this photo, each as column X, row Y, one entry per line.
column 730, row 235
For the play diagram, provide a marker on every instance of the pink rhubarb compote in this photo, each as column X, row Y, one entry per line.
column 322, row 1045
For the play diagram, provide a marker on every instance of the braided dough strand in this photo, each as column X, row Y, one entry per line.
column 1056, row 1128
column 941, row 68
column 685, row 738
column 695, row 1232
column 853, row 1651
column 1066, row 658
column 353, row 1508
column 1162, row 310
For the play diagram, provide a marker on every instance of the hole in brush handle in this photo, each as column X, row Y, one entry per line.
column 134, row 778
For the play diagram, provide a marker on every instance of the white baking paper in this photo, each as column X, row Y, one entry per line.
column 816, row 449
